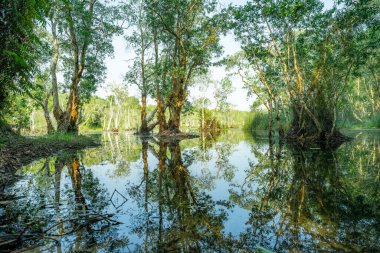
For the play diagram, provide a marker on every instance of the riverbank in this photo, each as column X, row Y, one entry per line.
column 16, row 150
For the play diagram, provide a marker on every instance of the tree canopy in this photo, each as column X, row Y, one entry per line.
column 311, row 70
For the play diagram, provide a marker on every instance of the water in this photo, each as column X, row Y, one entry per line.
column 234, row 194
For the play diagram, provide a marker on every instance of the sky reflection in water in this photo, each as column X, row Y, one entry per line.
column 237, row 193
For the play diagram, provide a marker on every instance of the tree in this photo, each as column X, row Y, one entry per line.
column 82, row 37
column 141, row 72
column 361, row 102
column 203, row 81
column 266, row 96
column 18, row 45
column 297, row 48
column 191, row 36
column 222, row 90
column 116, row 98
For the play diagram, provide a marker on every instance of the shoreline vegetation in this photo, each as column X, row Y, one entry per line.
column 290, row 68
column 17, row 150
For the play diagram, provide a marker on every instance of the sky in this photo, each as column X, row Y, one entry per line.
column 118, row 65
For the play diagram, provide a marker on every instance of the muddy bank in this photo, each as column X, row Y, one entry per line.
column 16, row 151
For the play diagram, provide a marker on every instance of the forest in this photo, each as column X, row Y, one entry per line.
column 310, row 74
column 311, row 70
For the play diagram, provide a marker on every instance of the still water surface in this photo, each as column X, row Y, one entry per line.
column 237, row 193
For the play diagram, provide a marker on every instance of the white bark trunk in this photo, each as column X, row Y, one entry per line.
column 111, row 115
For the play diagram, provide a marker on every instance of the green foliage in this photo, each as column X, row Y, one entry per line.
column 62, row 139
column 303, row 58
column 368, row 122
column 93, row 112
column 174, row 40
column 93, row 30
column 18, row 112
column 191, row 121
column 208, row 122
column 18, row 45
column 222, row 90
column 298, row 59
column 374, row 122
column 257, row 120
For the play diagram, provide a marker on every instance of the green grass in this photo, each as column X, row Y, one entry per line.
column 61, row 138
column 259, row 120
column 87, row 129
column 51, row 140
column 374, row 122
column 368, row 123
column 28, row 149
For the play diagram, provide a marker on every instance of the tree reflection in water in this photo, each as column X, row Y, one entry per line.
column 56, row 217
column 178, row 216
column 313, row 200
column 200, row 196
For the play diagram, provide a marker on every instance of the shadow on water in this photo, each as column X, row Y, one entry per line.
column 233, row 193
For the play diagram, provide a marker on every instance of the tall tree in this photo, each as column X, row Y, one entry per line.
column 222, row 90
column 298, row 48
column 18, row 45
column 141, row 72
column 203, row 82
column 191, row 40
column 360, row 21
column 82, row 37
column 265, row 88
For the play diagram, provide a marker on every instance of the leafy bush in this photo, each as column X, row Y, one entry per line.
column 374, row 122
column 258, row 120
column 211, row 123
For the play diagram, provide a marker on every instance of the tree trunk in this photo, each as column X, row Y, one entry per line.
column 49, row 125
column 59, row 115
column 73, row 108
column 270, row 126
column 278, row 119
column 104, row 122
column 111, row 115
column 161, row 115
column 203, row 116
column 175, row 118
column 129, row 119
column 144, row 123
column 32, row 126
column 66, row 120
column 57, row 111
column 162, row 125
column 117, row 116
